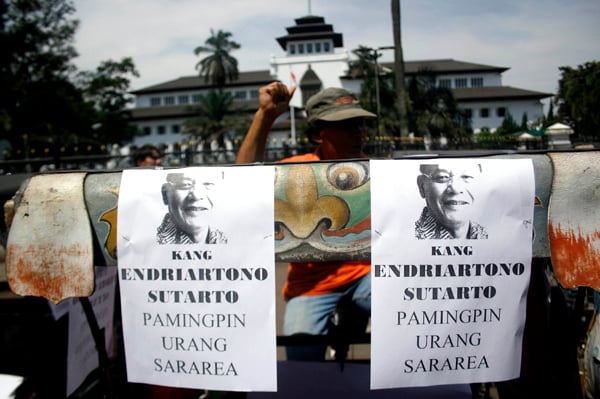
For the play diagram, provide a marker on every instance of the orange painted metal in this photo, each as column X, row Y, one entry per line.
column 574, row 219
column 50, row 248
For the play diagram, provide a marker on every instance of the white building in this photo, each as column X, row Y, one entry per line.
column 314, row 58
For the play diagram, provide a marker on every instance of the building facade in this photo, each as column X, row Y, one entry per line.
column 314, row 58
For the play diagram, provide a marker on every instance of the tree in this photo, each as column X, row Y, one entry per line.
column 38, row 102
column 578, row 98
column 550, row 118
column 106, row 90
column 434, row 110
column 364, row 67
column 215, row 118
column 219, row 66
column 525, row 122
column 399, row 69
column 509, row 125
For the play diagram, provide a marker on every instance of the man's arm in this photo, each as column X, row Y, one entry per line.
column 273, row 100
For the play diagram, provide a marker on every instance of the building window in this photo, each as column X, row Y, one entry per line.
column 460, row 83
column 301, row 48
column 476, row 82
column 292, row 48
column 501, row 112
column 240, row 95
column 147, row 131
column 468, row 113
column 309, row 48
column 196, row 98
column 183, row 99
column 175, row 129
column 445, row 83
column 326, row 47
column 253, row 94
column 154, row 101
column 484, row 112
column 169, row 100
column 317, row 47
column 161, row 129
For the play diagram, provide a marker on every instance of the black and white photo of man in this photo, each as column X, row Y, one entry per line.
column 189, row 206
column 449, row 201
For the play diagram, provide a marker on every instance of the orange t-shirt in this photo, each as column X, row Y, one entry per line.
column 316, row 278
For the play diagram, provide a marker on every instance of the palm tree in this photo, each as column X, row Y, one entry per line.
column 212, row 110
column 219, row 66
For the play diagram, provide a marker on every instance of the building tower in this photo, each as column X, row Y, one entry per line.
column 314, row 58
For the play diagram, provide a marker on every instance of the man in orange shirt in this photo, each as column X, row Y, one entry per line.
column 314, row 290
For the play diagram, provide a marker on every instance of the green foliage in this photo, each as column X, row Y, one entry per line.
column 106, row 90
column 364, row 67
column 219, row 66
column 578, row 98
column 550, row 119
column 215, row 117
column 42, row 111
column 37, row 38
column 37, row 101
column 433, row 110
column 524, row 122
column 509, row 125
column 487, row 140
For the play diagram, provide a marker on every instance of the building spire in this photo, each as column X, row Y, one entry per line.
column 309, row 8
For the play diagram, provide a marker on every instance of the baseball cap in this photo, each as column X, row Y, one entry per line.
column 334, row 104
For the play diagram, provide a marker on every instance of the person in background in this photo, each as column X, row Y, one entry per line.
column 314, row 290
column 147, row 155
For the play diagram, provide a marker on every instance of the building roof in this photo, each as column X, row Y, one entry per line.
column 251, row 78
column 446, row 66
column 491, row 93
column 195, row 82
column 183, row 111
column 462, row 95
column 149, row 113
column 310, row 27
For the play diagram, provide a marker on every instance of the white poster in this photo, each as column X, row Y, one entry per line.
column 82, row 355
column 451, row 254
column 197, row 277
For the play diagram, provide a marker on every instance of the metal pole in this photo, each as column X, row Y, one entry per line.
column 377, row 54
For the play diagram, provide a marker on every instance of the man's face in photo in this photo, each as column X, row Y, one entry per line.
column 188, row 201
column 448, row 192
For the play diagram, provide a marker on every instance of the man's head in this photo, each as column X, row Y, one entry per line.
column 188, row 201
column 336, row 122
column 447, row 191
column 147, row 155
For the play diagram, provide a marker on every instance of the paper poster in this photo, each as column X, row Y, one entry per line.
column 82, row 355
column 451, row 255
column 197, row 277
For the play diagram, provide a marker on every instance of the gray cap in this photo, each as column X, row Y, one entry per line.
column 334, row 104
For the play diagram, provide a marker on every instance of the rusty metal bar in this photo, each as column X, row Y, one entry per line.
column 556, row 174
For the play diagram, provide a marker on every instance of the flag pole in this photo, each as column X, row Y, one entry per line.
column 293, row 125
column 293, row 114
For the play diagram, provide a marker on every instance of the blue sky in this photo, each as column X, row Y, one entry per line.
column 532, row 37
